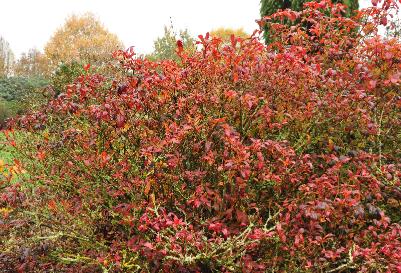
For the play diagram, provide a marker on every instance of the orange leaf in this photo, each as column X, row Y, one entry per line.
column 331, row 145
column 235, row 76
column 52, row 205
column 41, row 155
column 147, row 186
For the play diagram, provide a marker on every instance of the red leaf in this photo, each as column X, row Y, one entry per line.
column 180, row 46
column 383, row 21
column 230, row 94
column 105, row 157
column 148, row 245
column 242, row 217
column 233, row 40
column 120, row 121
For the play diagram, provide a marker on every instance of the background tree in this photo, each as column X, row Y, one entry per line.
column 268, row 7
column 6, row 58
column 225, row 33
column 165, row 46
column 83, row 39
column 32, row 64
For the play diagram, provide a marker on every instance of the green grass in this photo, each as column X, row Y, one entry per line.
column 5, row 151
column 7, row 156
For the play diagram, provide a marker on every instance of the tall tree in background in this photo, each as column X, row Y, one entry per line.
column 82, row 39
column 268, row 7
column 165, row 46
column 32, row 64
column 225, row 33
column 6, row 58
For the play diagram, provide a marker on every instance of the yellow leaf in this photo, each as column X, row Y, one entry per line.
column 331, row 145
column 152, row 198
column 126, row 127
column 5, row 211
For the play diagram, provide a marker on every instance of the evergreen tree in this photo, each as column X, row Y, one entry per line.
column 268, row 7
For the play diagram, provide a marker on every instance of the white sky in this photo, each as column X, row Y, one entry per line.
column 26, row 23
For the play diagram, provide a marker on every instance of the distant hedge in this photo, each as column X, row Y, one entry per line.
column 16, row 88
column 14, row 91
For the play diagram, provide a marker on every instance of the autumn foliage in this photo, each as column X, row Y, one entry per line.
column 239, row 158
column 81, row 39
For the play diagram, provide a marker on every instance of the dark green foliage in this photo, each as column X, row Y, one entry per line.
column 7, row 109
column 15, row 92
column 268, row 7
column 66, row 74
column 16, row 88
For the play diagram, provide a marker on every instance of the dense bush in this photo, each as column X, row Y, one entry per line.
column 7, row 109
column 65, row 74
column 242, row 158
column 18, row 88
column 15, row 92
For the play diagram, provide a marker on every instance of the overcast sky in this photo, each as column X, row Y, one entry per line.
column 26, row 23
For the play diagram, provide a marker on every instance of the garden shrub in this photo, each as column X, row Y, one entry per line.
column 241, row 158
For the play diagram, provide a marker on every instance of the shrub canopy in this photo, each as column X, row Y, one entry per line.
column 241, row 158
column 270, row 7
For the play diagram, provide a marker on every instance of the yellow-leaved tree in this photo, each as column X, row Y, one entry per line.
column 82, row 39
column 32, row 64
column 225, row 33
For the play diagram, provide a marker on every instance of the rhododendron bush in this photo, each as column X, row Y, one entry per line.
column 240, row 158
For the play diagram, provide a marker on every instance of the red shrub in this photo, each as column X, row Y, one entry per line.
column 240, row 158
